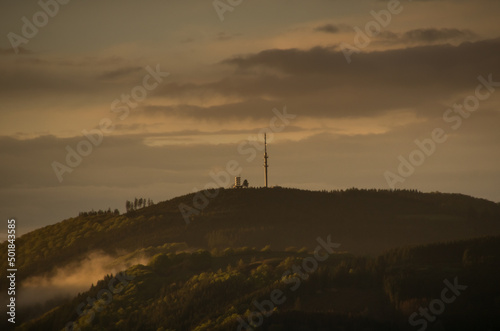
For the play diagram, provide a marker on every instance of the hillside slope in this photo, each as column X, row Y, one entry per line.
column 202, row 291
column 362, row 221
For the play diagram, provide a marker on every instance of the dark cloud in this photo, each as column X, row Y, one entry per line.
column 328, row 28
column 389, row 35
column 320, row 83
column 289, row 60
column 389, row 66
column 437, row 35
column 427, row 36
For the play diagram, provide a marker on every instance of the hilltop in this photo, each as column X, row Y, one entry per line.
column 365, row 222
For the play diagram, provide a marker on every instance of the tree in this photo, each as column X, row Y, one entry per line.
column 245, row 183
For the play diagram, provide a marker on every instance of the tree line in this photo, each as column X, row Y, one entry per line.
column 99, row 212
column 138, row 204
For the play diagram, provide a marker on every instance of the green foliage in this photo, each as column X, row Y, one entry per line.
column 266, row 249
column 198, row 291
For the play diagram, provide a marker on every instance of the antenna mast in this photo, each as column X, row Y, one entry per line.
column 265, row 157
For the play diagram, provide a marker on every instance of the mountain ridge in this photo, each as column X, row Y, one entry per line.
column 256, row 217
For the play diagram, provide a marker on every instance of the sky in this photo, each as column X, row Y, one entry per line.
column 105, row 101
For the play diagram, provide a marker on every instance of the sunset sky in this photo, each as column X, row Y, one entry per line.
column 354, row 114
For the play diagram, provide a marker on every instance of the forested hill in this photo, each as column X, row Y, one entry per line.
column 362, row 221
column 206, row 291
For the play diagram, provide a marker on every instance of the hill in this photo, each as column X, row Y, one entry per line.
column 268, row 290
column 363, row 222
